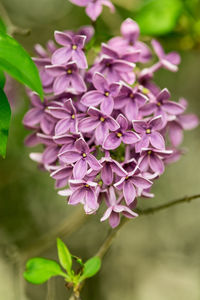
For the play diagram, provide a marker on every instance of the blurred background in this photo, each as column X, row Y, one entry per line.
column 154, row 257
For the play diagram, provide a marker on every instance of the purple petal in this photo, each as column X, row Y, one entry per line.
column 173, row 107
column 107, row 105
column 129, row 192
column 61, row 84
column 88, row 124
column 93, row 10
column 61, row 56
column 78, row 83
column 50, row 155
column 107, row 174
column 130, row 137
column 69, row 157
column 33, row 117
column 163, row 95
column 156, row 164
column 114, row 219
column 189, row 121
column 80, row 169
column 79, row 57
column 157, row 140
column 130, row 30
column 92, row 98
column 77, row 196
column 100, row 83
column 112, row 141
column 175, row 134
column 106, row 214
column 63, row 126
column 82, row 146
column 141, row 182
column 93, row 162
column 122, row 121
column 139, row 126
column 101, row 132
column 158, row 48
column 63, row 38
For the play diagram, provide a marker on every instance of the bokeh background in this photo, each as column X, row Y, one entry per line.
column 154, row 257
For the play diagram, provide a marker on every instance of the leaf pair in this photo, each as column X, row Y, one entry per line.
column 39, row 270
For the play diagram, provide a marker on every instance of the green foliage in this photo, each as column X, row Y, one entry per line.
column 91, row 267
column 39, row 270
column 158, row 17
column 2, row 79
column 5, row 115
column 64, row 256
column 155, row 17
column 17, row 62
column 2, row 26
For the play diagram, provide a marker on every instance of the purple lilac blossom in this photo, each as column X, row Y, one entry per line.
column 104, row 129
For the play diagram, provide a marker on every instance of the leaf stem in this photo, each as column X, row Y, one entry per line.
column 11, row 28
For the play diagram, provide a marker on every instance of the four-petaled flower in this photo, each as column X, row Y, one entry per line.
column 81, row 157
column 72, row 50
column 114, row 139
column 115, row 208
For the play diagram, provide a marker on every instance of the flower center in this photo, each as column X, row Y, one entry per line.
column 69, row 71
column 158, row 104
column 148, row 131
column 145, row 91
column 107, row 94
column 87, row 185
column 119, row 134
column 149, row 152
column 102, row 119
column 126, row 178
column 74, row 47
column 84, row 155
column 131, row 96
column 107, row 65
column 73, row 117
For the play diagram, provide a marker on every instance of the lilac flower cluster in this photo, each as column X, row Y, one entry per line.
column 108, row 131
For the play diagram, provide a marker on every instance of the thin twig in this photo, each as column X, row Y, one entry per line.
column 70, row 225
column 11, row 28
column 111, row 236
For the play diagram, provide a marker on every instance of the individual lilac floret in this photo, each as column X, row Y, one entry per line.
column 94, row 7
column 129, row 42
column 153, row 159
column 110, row 166
column 132, row 56
column 103, row 94
column 131, row 100
column 149, row 134
column 163, row 106
column 84, row 192
column 130, row 183
column 67, row 79
column 115, row 208
column 81, row 157
column 99, row 123
column 114, row 139
column 38, row 115
column 114, row 69
column 72, row 50
column 66, row 115
column 168, row 61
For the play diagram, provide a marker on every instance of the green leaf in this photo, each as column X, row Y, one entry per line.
column 2, row 79
column 91, row 267
column 158, row 17
column 5, row 115
column 39, row 270
column 64, row 256
column 2, row 26
column 17, row 62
